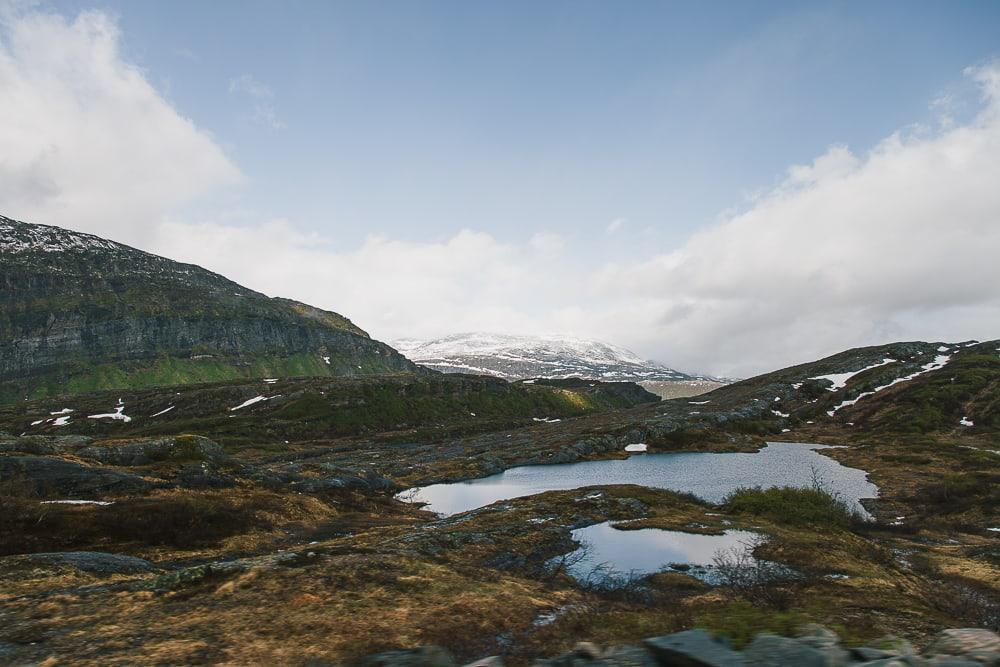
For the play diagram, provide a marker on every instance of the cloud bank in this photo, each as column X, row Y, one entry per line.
column 854, row 248
column 85, row 141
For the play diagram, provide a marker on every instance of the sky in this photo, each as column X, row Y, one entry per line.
column 722, row 187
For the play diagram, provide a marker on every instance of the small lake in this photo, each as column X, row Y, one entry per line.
column 606, row 551
column 708, row 475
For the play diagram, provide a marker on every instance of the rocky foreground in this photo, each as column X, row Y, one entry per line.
column 814, row 646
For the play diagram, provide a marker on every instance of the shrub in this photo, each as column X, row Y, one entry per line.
column 757, row 581
column 794, row 506
column 741, row 621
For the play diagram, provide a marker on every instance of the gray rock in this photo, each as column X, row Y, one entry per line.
column 693, row 648
column 815, row 635
column 144, row 452
column 47, row 476
column 201, row 476
column 95, row 562
column 963, row 640
column 893, row 662
column 868, row 654
column 951, row 661
column 627, row 656
column 588, row 650
column 425, row 656
column 768, row 650
column 490, row 661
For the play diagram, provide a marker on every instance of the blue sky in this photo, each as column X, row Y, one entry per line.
column 723, row 187
column 418, row 119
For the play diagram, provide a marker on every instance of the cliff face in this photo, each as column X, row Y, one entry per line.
column 78, row 312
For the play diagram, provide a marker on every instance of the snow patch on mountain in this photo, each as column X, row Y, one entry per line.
column 520, row 357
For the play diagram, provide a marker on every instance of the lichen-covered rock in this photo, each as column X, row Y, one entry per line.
column 143, row 452
column 693, row 648
column 962, row 641
column 425, row 656
column 51, row 476
column 768, row 650
column 95, row 562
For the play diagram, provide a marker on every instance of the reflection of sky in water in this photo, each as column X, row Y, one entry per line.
column 709, row 476
column 649, row 550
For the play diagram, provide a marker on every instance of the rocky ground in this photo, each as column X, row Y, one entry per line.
column 207, row 538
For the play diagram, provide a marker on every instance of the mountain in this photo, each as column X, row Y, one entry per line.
column 79, row 313
column 906, row 387
column 524, row 357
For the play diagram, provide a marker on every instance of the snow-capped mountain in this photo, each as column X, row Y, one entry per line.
column 522, row 357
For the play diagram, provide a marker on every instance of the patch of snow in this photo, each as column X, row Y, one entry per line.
column 326, row 360
column 939, row 362
column 779, row 413
column 61, row 421
column 797, row 385
column 163, row 412
column 944, row 349
column 965, row 421
column 252, row 401
column 637, row 447
column 547, row 420
column 839, row 380
column 270, row 380
column 994, row 530
column 785, row 430
column 76, row 502
column 40, row 421
column 699, row 402
column 64, row 411
column 533, row 382
column 118, row 414
column 777, row 398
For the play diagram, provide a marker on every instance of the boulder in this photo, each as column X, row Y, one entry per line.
column 962, row 641
column 693, row 648
column 490, row 661
column 52, row 476
column 768, row 650
column 627, row 656
column 95, row 562
column 425, row 656
column 144, row 452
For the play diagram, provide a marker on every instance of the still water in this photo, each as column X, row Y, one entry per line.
column 605, row 550
column 707, row 475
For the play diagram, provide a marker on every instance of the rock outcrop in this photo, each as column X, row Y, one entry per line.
column 814, row 647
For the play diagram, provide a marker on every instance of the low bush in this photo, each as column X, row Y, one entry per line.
column 741, row 621
column 794, row 506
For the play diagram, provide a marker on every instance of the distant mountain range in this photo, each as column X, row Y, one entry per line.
column 80, row 313
column 525, row 357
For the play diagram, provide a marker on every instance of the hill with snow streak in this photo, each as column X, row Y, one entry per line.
column 523, row 357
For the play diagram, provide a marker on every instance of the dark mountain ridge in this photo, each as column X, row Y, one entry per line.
column 80, row 313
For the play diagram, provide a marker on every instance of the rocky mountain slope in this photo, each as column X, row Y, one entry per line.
column 78, row 313
column 525, row 357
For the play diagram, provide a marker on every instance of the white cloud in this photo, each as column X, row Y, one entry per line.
column 262, row 100
column 900, row 242
column 85, row 140
column 615, row 225
column 849, row 250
